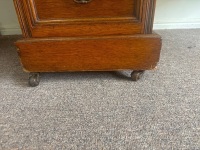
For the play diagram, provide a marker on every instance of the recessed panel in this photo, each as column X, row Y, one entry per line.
column 69, row 9
column 61, row 18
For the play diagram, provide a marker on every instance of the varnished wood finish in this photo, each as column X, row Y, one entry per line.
column 86, row 30
column 69, row 9
column 22, row 18
column 61, row 18
column 62, row 35
column 148, row 16
column 139, row 52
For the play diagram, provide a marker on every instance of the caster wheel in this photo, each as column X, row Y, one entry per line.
column 136, row 75
column 34, row 79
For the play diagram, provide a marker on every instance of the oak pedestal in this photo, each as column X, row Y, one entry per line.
column 87, row 35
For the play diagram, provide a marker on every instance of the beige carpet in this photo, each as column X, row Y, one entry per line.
column 105, row 110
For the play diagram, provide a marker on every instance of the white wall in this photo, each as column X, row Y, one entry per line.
column 8, row 18
column 175, row 14
column 170, row 14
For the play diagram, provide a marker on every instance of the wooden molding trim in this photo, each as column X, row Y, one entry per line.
column 148, row 17
column 19, row 7
column 37, row 20
column 31, row 24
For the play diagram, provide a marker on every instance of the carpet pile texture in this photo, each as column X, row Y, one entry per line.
column 104, row 110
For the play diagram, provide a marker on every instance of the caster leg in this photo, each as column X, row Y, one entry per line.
column 137, row 74
column 34, row 79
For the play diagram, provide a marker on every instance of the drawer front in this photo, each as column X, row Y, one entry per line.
column 72, row 9
column 61, row 18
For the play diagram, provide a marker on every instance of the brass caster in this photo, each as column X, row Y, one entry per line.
column 137, row 74
column 34, row 79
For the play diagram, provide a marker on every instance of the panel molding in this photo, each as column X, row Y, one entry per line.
column 31, row 25
column 23, row 20
column 36, row 20
column 148, row 16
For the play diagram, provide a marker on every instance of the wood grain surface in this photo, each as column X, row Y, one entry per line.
column 66, row 9
column 91, row 53
column 61, row 35
column 61, row 18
